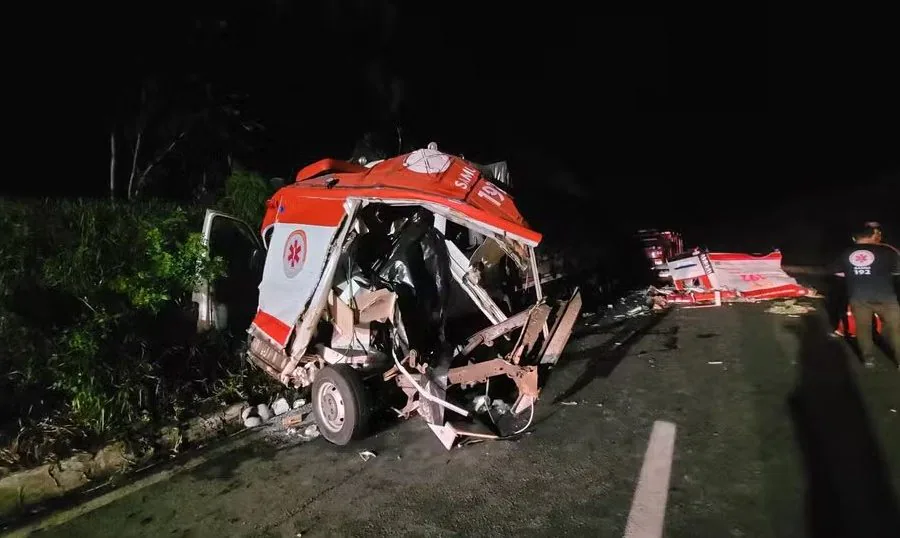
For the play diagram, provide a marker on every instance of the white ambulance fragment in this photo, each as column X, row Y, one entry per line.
column 710, row 276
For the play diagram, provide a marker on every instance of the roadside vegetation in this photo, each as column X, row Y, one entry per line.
column 97, row 327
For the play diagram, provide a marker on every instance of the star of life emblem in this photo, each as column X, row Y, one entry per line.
column 294, row 256
column 861, row 258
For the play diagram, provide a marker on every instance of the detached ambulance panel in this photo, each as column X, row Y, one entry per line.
column 759, row 277
column 746, row 275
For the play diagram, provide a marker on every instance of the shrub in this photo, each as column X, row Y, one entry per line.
column 96, row 327
column 245, row 197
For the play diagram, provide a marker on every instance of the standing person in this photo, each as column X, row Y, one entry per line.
column 868, row 268
column 841, row 302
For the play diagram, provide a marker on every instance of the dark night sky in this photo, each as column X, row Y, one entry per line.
column 585, row 103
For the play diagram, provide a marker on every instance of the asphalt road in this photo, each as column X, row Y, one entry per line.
column 786, row 436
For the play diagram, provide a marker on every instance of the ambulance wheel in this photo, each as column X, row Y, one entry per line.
column 340, row 404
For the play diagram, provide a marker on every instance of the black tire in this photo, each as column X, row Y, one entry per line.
column 347, row 391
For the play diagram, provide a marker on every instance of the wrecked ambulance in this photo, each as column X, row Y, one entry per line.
column 371, row 284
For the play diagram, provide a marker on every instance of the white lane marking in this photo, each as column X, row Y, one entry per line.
column 648, row 508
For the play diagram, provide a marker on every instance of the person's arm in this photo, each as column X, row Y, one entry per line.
column 836, row 267
column 896, row 269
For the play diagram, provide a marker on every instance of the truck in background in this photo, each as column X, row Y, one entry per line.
column 659, row 247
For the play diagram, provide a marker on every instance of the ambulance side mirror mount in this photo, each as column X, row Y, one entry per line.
column 257, row 260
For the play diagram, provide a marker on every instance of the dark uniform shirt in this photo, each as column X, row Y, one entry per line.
column 869, row 270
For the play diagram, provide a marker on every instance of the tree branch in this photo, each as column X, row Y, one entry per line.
column 134, row 158
column 143, row 176
column 112, row 164
column 140, row 124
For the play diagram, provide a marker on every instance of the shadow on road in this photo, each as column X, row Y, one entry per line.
column 849, row 491
column 604, row 359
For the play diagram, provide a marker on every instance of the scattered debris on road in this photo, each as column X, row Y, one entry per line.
column 366, row 455
column 635, row 304
column 292, row 420
column 790, row 307
column 294, row 427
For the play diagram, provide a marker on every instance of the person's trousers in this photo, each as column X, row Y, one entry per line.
column 889, row 312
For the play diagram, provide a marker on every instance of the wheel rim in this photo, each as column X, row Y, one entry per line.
column 331, row 406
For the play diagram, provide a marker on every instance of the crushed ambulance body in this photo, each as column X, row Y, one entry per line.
column 372, row 284
column 703, row 277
